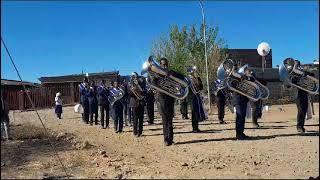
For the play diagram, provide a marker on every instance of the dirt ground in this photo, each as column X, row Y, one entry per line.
column 275, row 150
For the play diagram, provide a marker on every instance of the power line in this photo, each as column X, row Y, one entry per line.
column 32, row 103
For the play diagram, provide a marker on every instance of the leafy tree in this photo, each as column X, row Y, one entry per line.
column 184, row 47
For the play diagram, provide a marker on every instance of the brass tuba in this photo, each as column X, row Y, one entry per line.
column 115, row 95
column 264, row 90
column 135, row 87
column 161, row 81
column 289, row 71
column 226, row 72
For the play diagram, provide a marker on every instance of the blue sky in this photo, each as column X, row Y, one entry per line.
column 60, row 38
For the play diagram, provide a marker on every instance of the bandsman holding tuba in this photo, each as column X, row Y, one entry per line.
column 137, row 94
column 292, row 73
column 196, row 86
column 238, row 81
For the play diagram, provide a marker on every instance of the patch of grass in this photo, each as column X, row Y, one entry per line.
column 27, row 131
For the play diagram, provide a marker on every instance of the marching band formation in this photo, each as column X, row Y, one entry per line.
column 235, row 87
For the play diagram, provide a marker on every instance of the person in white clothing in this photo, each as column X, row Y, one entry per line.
column 58, row 107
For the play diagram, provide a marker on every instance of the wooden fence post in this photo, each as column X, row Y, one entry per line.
column 21, row 100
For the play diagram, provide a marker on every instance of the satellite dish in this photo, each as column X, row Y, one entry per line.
column 263, row 49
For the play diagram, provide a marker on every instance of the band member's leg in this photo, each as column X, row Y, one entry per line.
column 150, row 110
column 106, row 108
column 96, row 114
column 221, row 112
column 116, row 122
column 125, row 112
column 86, row 112
column 140, row 120
column 165, row 128
column 121, row 121
column 135, row 120
column 102, row 109
column 254, row 113
column 130, row 115
column 194, row 120
column 302, row 106
column 240, row 118
column 170, row 130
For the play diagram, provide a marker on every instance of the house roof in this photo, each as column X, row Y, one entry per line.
column 76, row 77
column 9, row 82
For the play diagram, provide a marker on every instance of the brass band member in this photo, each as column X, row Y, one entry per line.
column 196, row 102
column 93, row 103
column 104, row 104
column 150, row 99
column 84, row 89
column 301, row 100
column 241, row 102
column 221, row 101
column 117, row 109
column 137, row 103
column 125, row 101
column 166, row 103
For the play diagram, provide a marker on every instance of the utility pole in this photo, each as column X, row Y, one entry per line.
column 205, row 52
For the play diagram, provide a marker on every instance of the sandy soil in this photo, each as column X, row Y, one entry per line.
column 275, row 150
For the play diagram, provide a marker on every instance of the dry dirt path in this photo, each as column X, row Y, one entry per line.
column 275, row 150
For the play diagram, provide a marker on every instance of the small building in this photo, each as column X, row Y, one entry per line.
column 68, row 84
column 10, row 90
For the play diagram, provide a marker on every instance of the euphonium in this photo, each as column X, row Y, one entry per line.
column 264, row 90
column 161, row 81
column 193, row 80
column 115, row 95
column 293, row 74
column 135, row 87
column 234, row 81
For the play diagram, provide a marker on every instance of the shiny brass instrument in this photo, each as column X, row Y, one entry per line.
column 163, row 82
column 220, row 86
column 264, row 90
column 135, row 87
column 193, row 80
column 115, row 95
column 235, row 81
column 294, row 75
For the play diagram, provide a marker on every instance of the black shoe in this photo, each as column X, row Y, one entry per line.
column 301, row 129
column 196, row 131
column 242, row 136
column 168, row 143
column 222, row 122
column 256, row 125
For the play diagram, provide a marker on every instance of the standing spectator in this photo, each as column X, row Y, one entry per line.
column 58, row 107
